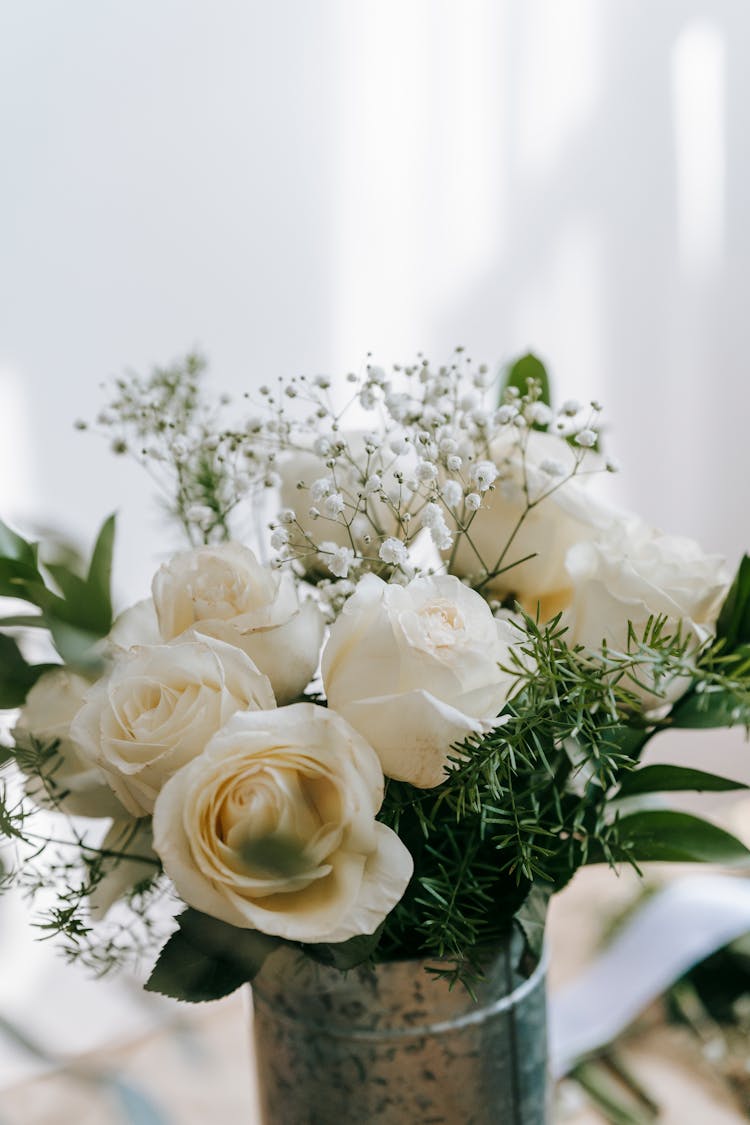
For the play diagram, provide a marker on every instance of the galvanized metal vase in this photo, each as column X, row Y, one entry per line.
column 395, row 1046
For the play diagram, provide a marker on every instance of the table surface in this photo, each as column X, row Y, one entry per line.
column 197, row 1068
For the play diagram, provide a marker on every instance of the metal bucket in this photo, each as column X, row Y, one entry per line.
column 396, row 1046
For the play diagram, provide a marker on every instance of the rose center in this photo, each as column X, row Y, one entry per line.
column 442, row 624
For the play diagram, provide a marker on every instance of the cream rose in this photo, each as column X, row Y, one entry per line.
column 273, row 828
column 415, row 669
column 74, row 783
column 570, row 514
column 224, row 592
column 159, row 707
column 633, row 572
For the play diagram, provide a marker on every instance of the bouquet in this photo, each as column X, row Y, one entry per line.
column 392, row 692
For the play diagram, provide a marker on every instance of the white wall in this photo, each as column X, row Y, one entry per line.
column 291, row 184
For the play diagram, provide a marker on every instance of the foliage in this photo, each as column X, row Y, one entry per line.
column 206, row 959
column 77, row 614
column 528, row 804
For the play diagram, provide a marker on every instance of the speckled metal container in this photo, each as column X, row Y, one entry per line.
column 395, row 1046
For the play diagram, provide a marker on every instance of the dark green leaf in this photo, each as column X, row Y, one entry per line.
column 533, row 915
column 100, row 570
column 733, row 625
column 661, row 834
column 206, row 959
column 18, row 579
column 663, row 778
column 525, row 368
column 626, row 740
column 346, row 954
column 6, row 755
column 707, row 710
column 16, row 676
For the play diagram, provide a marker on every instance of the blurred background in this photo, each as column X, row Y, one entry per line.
column 290, row 185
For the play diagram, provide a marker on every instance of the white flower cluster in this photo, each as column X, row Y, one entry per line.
column 424, row 486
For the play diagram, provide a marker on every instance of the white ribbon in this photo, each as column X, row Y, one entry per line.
column 677, row 928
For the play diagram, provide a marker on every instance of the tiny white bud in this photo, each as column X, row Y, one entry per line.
column 279, row 539
column 426, row 471
column 321, row 488
column 452, row 493
column 393, row 552
column 539, row 413
column 552, row 468
column 505, row 414
column 484, row 474
column 333, row 505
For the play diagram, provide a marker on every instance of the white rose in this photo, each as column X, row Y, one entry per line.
column 74, row 783
column 273, row 828
column 566, row 516
column 225, row 592
column 159, row 707
column 137, row 625
column 633, row 573
column 415, row 669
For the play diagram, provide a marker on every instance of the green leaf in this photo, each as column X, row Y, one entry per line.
column 13, row 546
column 87, row 602
column 76, row 646
column 661, row 834
column 707, row 710
column 206, row 959
column 16, row 676
column 100, row 567
column 627, row 740
column 74, row 591
column 525, row 368
column 19, row 579
column 345, row 955
column 733, row 625
column 6, row 755
column 532, row 917
column 664, row 778
column 99, row 577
